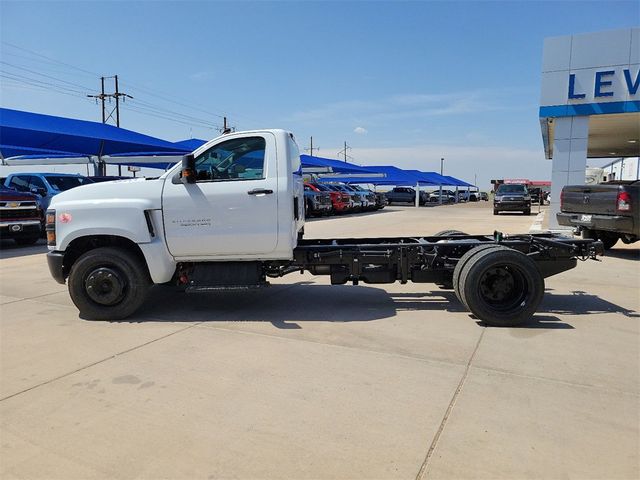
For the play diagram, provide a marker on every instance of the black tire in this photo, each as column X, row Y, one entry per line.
column 447, row 233
column 496, row 211
column 26, row 240
column 608, row 239
column 461, row 264
column 108, row 283
column 527, row 212
column 502, row 287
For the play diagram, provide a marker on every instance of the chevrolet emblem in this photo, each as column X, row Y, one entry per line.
column 13, row 204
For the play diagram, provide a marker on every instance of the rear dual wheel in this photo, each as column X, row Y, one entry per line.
column 501, row 286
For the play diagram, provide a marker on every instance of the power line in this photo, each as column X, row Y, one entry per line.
column 44, row 75
column 33, row 81
column 154, row 93
column 51, row 59
column 149, row 114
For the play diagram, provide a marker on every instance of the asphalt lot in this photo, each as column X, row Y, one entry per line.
column 308, row 380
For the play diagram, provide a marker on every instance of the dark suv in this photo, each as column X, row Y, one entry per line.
column 405, row 195
column 512, row 197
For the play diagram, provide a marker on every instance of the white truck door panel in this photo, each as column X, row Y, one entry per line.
column 232, row 209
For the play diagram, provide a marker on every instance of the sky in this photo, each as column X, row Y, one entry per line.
column 403, row 83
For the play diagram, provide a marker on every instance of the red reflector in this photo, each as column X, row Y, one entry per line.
column 623, row 202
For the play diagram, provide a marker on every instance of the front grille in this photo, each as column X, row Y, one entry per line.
column 23, row 210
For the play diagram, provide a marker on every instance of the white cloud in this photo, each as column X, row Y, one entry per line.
column 462, row 161
column 360, row 130
column 406, row 106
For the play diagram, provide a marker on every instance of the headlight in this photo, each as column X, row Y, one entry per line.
column 50, row 227
column 527, row 197
column 498, row 198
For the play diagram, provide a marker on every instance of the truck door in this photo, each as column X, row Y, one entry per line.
column 232, row 209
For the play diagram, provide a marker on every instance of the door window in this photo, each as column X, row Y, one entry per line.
column 20, row 183
column 237, row 159
column 36, row 182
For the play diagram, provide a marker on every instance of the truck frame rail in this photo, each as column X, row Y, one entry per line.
column 500, row 278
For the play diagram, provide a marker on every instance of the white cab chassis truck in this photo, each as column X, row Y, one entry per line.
column 232, row 214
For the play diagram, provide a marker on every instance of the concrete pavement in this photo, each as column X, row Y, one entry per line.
column 308, row 380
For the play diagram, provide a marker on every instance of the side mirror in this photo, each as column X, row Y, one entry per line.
column 188, row 172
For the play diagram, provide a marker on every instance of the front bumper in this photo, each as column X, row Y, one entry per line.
column 55, row 261
column 19, row 229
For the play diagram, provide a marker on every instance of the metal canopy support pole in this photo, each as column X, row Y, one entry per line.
column 457, row 196
column 440, row 194
column 417, row 194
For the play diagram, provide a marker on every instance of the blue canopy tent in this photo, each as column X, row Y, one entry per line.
column 459, row 183
column 327, row 164
column 27, row 135
column 386, row 175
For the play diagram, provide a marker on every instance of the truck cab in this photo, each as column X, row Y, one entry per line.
column 240, row 199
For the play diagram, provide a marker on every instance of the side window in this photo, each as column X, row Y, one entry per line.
column 36, row 182
column 20, row 183
column 237, row 159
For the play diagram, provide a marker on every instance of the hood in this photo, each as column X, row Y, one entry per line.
column 6, row 195
column 136, row 190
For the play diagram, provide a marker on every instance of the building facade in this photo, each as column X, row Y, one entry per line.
column 589, row 104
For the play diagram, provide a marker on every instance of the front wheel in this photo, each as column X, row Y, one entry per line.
column 527, row 211
column 108, row 283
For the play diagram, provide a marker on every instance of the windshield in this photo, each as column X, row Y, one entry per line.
column 65, row 183
column 502, row 189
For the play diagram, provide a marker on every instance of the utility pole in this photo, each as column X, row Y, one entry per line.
column 226, row 128
column 311, row 148
column 105, row 117
column 441, row 173
column 344, row 152
column 104, row 96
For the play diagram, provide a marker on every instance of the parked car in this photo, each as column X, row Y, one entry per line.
column 466, row 196
column 340, row 201
column 46, row 185
column 316, row 203
column 356, row 199
column 608, row 211
column 512, row 197
column 406, row 195
column 447, row 196
column 21, row 217
column 369, row 197
column 381, row 200
column 484, row 196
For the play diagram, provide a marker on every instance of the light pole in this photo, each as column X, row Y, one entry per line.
column 441, row 173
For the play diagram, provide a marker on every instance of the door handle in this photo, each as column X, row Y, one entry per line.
column 260, row 191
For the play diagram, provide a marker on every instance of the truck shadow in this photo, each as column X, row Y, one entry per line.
column 581, row 303
column 624, row 253
column 288, row 306
column 10, row 249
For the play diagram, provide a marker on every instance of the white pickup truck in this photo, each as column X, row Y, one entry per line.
column 232, row 214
